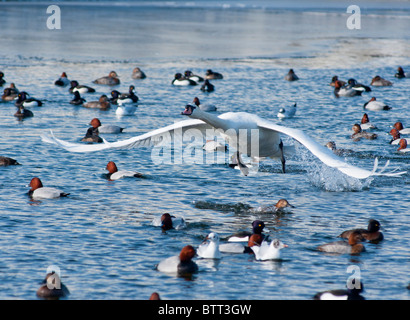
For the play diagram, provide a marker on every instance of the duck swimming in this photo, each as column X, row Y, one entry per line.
column 345, row 91
column 2, row 81
column 374, row 105
column 52, row 288
column 378, row 81
column 399, row 126
column 336, row 78
column 6, row 161
column 92, row 134
column 137, row 73
column 352, row 293
column 207, row 86
column 24, row 100
column 400, row 73
column 204, row 107
column 10, row 93
column 76, row 87
column 77, row 100
column 115, row 174
column 180, row 80
column 340, row 152
column 403, row 146
column 37, row 190
column 181, row 264
column 62, row 81
column 352, row 83
column 352, row 246
column 190, row 75
column 372, row 232
column 23, row 113
column 358, row 133
column 168, row 222
column 365, row 123
column 110, row 80
column 228, row 124
column 291, row 76
column 210, row 75
column 102, row 103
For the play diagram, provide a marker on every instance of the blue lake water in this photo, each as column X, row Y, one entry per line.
column 101, row 236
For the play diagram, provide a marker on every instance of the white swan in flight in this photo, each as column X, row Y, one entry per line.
column 228, row 125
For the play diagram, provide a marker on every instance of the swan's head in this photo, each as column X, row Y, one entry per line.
column 189, row 110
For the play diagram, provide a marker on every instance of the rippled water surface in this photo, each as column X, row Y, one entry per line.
column 101, row 236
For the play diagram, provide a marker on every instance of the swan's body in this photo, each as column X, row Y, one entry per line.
column 254, row 133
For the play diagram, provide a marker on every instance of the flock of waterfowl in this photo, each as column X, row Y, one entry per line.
column 270, row 145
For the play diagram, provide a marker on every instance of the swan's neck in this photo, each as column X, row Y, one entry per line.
column 211, row 119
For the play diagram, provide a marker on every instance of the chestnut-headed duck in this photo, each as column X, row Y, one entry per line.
column 137, row 73
column 76, row 87
column 115, row 174
column 190, row 75
column 281, row 206
column 352, row 246
column 399, row 126
column 352, row 293
column 62, row 81
column 378, row 81
column 6, row 161
column 154, row 296
column 52, row 288
column 340, row 152
column 236, row 247
column 291, row 76
column 102, row 103
column 365, row 123
column 395, row 136
column 374, row 105
column 204, row 107
column 266, row 251
column 181, row 264
column 23, row 113
column 336, row 78
column 10, row 93
column 287, row 112
column 210, row 75
column 2, row 81
column 37, row 190
column 168, row 222
column 344, row 91
column 180, row 80
column 111, row 79
column 209, row 248
column 92, row 134
column 77, row 99
column 207, row 86
column 358, row 133
column 372, row 232
column 24, row 100
column 243, row 236
column 403, row 146
column 352, row 83
column 400, row 73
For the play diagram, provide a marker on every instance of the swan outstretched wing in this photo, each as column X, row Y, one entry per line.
column 145, row 140
column 326, row 155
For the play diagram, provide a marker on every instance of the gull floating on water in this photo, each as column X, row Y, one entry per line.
column 228, row 125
